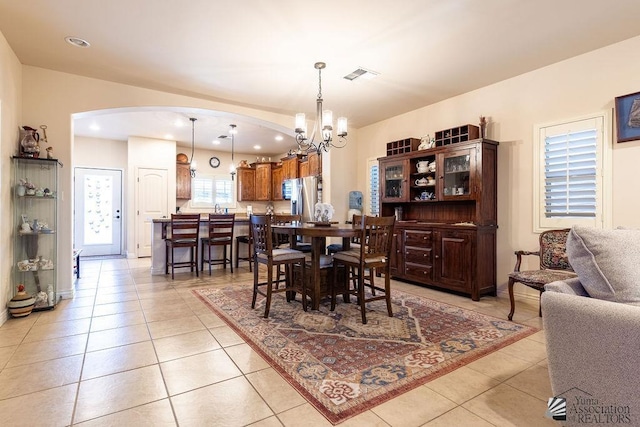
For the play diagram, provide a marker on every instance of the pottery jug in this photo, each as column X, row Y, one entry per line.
column 422, row 165
column 29, row 143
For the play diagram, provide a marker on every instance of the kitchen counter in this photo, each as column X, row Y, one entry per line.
column 159, row 230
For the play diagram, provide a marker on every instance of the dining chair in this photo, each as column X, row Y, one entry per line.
column 374, row 253
column 265, row 253
column 185, row 230
column 333, row 248
column 554, row 265
column 283, row 240
column 219, row 234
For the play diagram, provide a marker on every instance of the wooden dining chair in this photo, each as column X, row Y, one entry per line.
column 185, row 230
column 374, row 253
column 283, row 240
column 356, row 222
column 265, row 253
column 219, row 234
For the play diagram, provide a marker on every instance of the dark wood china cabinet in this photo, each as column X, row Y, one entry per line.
column 447, row 196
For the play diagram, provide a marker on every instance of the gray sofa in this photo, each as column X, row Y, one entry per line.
column 592, row 328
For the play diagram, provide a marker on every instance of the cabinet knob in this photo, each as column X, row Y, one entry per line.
column 437, row 257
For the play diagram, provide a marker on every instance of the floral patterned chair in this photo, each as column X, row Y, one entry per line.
column 554, row 265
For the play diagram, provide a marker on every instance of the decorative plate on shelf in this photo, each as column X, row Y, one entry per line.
column 322, row 223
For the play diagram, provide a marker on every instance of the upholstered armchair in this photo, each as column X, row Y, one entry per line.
column 554, row 265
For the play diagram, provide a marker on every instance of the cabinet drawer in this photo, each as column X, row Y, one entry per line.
column 418, row 256
column 418, row 271
column 417, row 238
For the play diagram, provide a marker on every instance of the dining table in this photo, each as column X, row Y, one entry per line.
column 318, row 234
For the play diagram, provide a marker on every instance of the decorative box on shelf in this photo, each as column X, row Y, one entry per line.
column 457, row 134
column 402, row 146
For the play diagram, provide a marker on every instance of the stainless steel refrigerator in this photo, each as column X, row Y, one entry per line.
column 305, row 193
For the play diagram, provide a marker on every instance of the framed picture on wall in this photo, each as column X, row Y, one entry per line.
column 628, row 117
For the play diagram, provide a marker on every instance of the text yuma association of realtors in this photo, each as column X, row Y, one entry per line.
column 589, row 410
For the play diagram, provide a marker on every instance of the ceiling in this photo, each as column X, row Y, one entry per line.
column 260, row 53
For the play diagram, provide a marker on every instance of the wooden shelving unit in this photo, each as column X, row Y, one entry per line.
column 402, row 146
column 458, row 134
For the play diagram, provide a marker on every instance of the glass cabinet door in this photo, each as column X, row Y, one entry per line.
column 393, row 179
column 457, row 171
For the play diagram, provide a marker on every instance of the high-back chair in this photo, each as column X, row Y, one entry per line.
column 265, row 253
column 554, row 265
column 185, row 230
column 374, row 253
column 219, row 234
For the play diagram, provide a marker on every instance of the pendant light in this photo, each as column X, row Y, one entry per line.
column 192, row 163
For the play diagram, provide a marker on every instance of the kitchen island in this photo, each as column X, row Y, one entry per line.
column 159, row 232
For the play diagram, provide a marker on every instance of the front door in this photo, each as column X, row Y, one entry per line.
column 98, row 211
column 151, row 196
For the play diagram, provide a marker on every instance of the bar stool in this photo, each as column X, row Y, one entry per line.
column 220, row 233
column 247, row 241
column 185, row 229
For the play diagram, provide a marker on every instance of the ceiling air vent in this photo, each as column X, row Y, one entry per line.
column 361, row 72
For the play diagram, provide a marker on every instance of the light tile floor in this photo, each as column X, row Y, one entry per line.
column 136, row 349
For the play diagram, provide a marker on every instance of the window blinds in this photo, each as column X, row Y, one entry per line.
column 570, row 174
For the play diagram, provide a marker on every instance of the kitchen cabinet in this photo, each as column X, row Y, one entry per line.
column 290, row 167
column 276, row 183
column 263, row 181
column 303, row 168
column 446, row 237
column 246, row 184
column 183, row 181
column 34, row 228
column 314, row 160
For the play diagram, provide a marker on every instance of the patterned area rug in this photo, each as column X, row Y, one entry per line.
column 343, row 367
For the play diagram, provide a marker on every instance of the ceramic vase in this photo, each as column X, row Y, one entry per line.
column 20, row 190
column 21, row 305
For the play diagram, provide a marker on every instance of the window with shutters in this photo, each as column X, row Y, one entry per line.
column 569, row 179
column 208, row 191
column 374, row 188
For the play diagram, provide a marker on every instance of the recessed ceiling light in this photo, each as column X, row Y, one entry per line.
column 215, row 142
column 77, row 41
column 168, row 136
column 256, row 147
column 279, row 138
column 178, row 123
column 94, row 126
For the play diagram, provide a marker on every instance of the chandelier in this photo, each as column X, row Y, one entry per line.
column 192, row 163
column 323, row 125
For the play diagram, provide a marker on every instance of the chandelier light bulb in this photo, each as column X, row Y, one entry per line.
column 327, row 119
column 342, row 126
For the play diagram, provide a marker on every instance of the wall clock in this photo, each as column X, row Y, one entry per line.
column 214, row 162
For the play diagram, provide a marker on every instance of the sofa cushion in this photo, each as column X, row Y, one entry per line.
column 607, row 262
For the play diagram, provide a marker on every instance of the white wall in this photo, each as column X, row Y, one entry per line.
column 10, row 120
column 572, row 88
column 51, row 98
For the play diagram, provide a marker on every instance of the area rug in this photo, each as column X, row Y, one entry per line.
column 343, row 367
